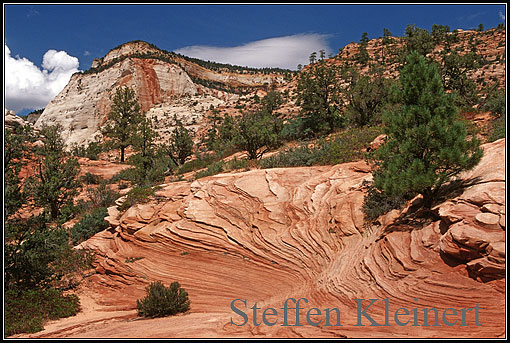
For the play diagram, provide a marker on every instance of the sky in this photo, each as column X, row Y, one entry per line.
column 45, row 44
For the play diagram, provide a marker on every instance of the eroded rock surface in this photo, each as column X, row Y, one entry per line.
column 267, row 235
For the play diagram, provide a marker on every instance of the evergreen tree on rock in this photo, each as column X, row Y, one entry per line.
column 427, row 143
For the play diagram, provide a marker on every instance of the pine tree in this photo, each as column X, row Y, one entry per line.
column 426, row 142
column 55, row 181
column 180, row 144
column 123, row 120
column 363, row 56
column 144, row 142
column 319, row 98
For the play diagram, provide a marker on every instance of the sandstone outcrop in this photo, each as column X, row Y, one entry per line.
column 268, row 235
column 154, row 82
column 161, row 80
column 11, row 120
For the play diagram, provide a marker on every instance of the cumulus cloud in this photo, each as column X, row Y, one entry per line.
column 28, row 87
column 283, row 52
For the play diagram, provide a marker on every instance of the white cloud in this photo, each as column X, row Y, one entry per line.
column 284, row 52
column 29, row 87
column 501, row 15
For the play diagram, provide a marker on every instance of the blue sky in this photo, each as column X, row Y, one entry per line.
column 61, row 39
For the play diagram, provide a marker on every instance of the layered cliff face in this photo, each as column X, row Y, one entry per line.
column 267, row 235
column 83, row 105
column 160, row 79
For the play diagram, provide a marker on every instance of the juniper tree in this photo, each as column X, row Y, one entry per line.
column 426, row 141
column 123, row 120
column 256, row 134
column 367, row 96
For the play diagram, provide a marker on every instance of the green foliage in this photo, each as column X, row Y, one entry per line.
column 439, row 33
column 180, row 144
column 161, row 301
column 132, row 259
column 55, row 181
column 367, row 97
column 221, row 136
column 123, row 120
column 89, row 225
column 257, row 133
column 222, row 166
column 212, row 169
column 38, row 256
column 349, row 146
column 91, row 179
column 201, row 161
column 495, row 103
column 139, row 194
column 454, row 69
column 151, row 162
column 27, row 310
column 362, row 57
column 377, row 203
column 497, row 129
column 319, row 98
column 124, row 175
column 271, row 102
column 293, row 128
column 91, row 152
column 15, row 153
column 419, row 40
column 427, row 143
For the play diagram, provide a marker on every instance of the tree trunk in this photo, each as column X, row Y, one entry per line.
column 428, row 198
column 122, row 154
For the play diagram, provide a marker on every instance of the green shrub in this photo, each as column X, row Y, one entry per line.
column 161, row 301
column 348, row 146
column 497, row 129
column 89, row 225
column 200, row 162
column 91, row 152
column 213, row 169
column 27, row 310
column 102, row 196
column 124, row 175
column 377, row 203
column 91, row 179
column 293, row 129
column 139, row 194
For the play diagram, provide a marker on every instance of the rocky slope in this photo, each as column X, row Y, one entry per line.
column 268, row 235
column 489, row 45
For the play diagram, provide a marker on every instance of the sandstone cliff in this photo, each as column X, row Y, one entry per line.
column 159, row 78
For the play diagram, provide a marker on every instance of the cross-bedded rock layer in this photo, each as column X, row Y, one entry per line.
column 267, row 235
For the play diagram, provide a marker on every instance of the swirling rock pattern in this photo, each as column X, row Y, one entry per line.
column 267, row 235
